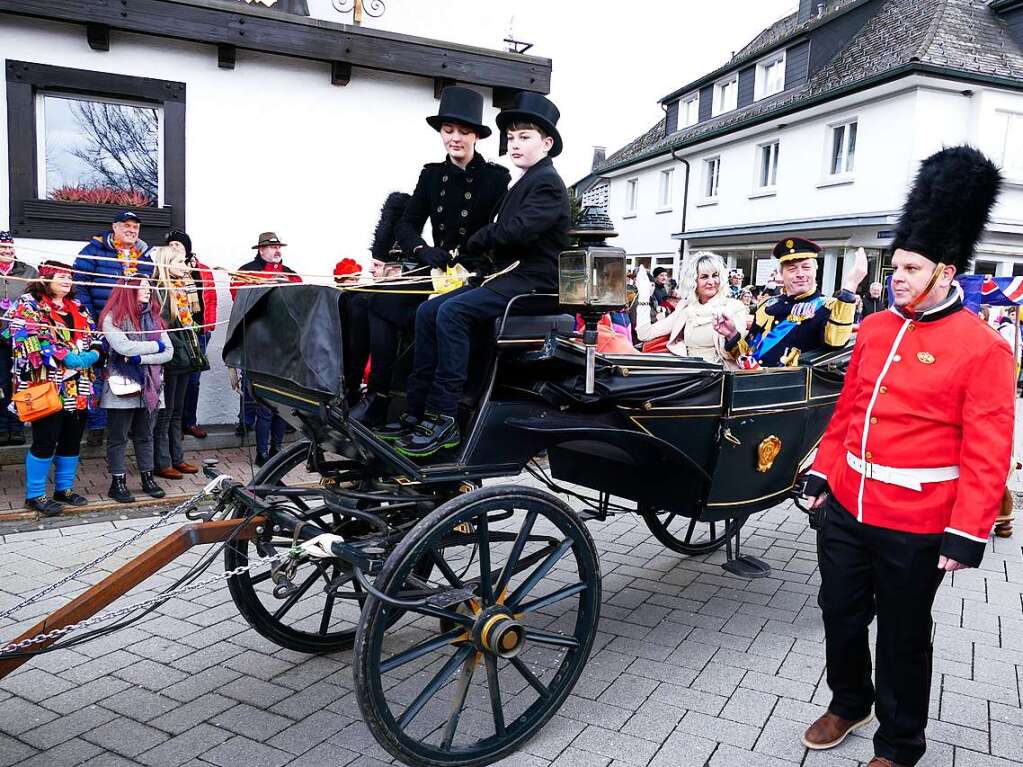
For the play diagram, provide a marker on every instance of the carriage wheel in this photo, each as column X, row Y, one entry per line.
column 517, row 578
column 688, row 535
column 310, row 620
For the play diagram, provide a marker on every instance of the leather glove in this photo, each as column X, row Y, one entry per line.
column 438, row 258
column 476, row 245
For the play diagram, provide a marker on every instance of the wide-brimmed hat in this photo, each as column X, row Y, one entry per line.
column 533, row 108
column 460, row 105
column 268, row 238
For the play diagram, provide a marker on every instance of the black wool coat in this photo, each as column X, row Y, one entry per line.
column 532, row 228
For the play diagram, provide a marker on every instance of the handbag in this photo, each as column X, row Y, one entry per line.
column 122, row 385
column 188, row 356
column 37, row 401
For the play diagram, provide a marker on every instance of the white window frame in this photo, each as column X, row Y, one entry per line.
column 711, row 182
column 1013, row 123
column 720, row 105
column 665, row 190
column 846, row 169
column 760, row 86
column 631, row 197
column 690, row 103
column 771, row 185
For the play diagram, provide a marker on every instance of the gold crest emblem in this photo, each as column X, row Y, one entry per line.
column 925, row 357
column 789, row 244
column 767, row 451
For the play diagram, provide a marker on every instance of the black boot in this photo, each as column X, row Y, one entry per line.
column 44, row 506
column 433, row 433
column 396, row 429
column 119, row 490
column 70, row 497
column 371, row 410
column 149, row 486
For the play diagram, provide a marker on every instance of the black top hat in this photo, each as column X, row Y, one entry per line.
column 460, row 105
column 534, row 108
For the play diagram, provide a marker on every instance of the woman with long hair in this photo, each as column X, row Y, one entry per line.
column 689, row 330
column 178, row 300
column 53, row 342
column 133, row 386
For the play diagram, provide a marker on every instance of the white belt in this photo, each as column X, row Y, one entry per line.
column 912, row 479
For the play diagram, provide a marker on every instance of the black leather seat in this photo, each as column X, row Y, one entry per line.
column 526, row 328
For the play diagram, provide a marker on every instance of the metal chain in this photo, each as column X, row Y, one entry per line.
column 192, row 502
column 24, row 644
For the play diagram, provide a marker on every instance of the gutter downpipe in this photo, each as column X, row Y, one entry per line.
column 685, row 202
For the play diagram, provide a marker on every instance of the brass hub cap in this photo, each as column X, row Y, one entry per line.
column 498, row 632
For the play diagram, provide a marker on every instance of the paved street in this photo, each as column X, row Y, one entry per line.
column 691, row 667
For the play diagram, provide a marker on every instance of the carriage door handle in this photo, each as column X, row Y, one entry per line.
column 731, row 437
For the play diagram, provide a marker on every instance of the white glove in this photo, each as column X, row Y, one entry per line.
column 644, row 288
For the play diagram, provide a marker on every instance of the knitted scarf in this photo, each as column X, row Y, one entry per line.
column 149, row 376
column 185, row 298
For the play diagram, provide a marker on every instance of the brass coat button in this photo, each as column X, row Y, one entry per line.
column 444, row 179
column 869, row 455
column 884, row 389
column 873, row 420
column 468, row 195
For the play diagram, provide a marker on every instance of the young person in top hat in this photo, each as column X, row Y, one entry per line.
column 910, row 473
column 530, row 231
column 457, row 196
column 800, row 319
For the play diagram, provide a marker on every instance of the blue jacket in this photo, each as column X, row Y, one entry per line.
column 91, row 259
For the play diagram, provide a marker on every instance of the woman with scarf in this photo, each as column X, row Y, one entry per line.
column 689, row 330
column 139, row 347
column 52, row 340
column 178, row 300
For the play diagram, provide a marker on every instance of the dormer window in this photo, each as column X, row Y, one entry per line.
column 770, row 77
column 726, row 94
column 689, row 111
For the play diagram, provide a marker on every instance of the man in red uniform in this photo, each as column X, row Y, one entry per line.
column 909, row 475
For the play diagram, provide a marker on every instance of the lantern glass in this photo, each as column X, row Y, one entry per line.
column 592, row 278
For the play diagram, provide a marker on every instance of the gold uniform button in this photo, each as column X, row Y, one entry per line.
column 465, row 214
column 912, row 328
column 440, row 208
column 897, row 358
column 869, row 455
column 884, row 389
column 873, row 420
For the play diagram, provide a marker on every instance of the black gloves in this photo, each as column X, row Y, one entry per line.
column 438, row 258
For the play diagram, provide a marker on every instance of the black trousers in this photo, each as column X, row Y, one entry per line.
column 60, row 434
column 355, row 335
column 389, row 315
column 868, row 571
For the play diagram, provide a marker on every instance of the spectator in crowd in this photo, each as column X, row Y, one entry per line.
column 205, row 320
column 53, row 341
column 267, row 266
column 746, row 297
column 178, row 299
column 858, row 313
column 15, row 276
column 735, row 278
column 106, row 258
column 689, row 331
column 875, row 300
column 138, row 348
column 661, row 288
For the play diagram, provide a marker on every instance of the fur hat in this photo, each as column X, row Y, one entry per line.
column 390, row 215
column 948, row 206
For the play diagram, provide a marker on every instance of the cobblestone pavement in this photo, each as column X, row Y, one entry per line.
column 690, row 667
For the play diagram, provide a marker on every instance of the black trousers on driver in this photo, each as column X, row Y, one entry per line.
column 865, row 571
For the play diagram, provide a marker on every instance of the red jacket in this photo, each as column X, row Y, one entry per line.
column 266, row 274
column 935, row 392
column 209, row 297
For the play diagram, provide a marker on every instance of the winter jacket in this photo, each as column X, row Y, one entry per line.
column 203, row 277
column 120, row 342
column 92, row 267
column 12, row 289
column 268, row 274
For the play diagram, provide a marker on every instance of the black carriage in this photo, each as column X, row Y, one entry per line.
column 472, row 605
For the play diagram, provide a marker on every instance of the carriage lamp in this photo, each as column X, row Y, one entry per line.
column 591, row 279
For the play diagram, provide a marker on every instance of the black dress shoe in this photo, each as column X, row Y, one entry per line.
column 70, row 497
column 149, row 486
column 119, row 490
column 435, row 432
column 396, row 429
column 44, row 506
column 261, row 459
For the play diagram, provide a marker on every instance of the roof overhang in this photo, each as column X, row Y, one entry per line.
column 225, row 22
column 815, row 226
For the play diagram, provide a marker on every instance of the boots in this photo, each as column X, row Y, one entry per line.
column 44, row 506
column 65, row 468
column 371, row 411
column 119, row 489
column 149, row 486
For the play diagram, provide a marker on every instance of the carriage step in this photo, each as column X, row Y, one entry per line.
column 746, row 566
column 450, row 597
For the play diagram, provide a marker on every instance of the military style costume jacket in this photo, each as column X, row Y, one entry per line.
column 786, row 326
column 456, row 202
column 921, row 437
column 531, row 228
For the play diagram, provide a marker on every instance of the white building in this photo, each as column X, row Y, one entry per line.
column 252, row 119
column 817, row 128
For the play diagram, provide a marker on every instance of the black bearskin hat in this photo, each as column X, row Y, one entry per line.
column 390, row 215
column 948, row 207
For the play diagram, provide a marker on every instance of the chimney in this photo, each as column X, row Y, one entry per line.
column 599, row 153
column 806, row 10
column 820, row 9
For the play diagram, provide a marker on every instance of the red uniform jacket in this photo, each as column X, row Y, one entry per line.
column 936, row 391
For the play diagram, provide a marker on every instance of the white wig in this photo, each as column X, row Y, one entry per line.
column 690, row 270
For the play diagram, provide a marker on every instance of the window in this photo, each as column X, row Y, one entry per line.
column 767, row 174
column 631, row 195
column 664, row 190
column 711, row 175
column 1012, row 150
column 98, row 150
column 770, row 77
column 726, row 94
column 689, row 111
column 843, row 149
column 84, row 145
